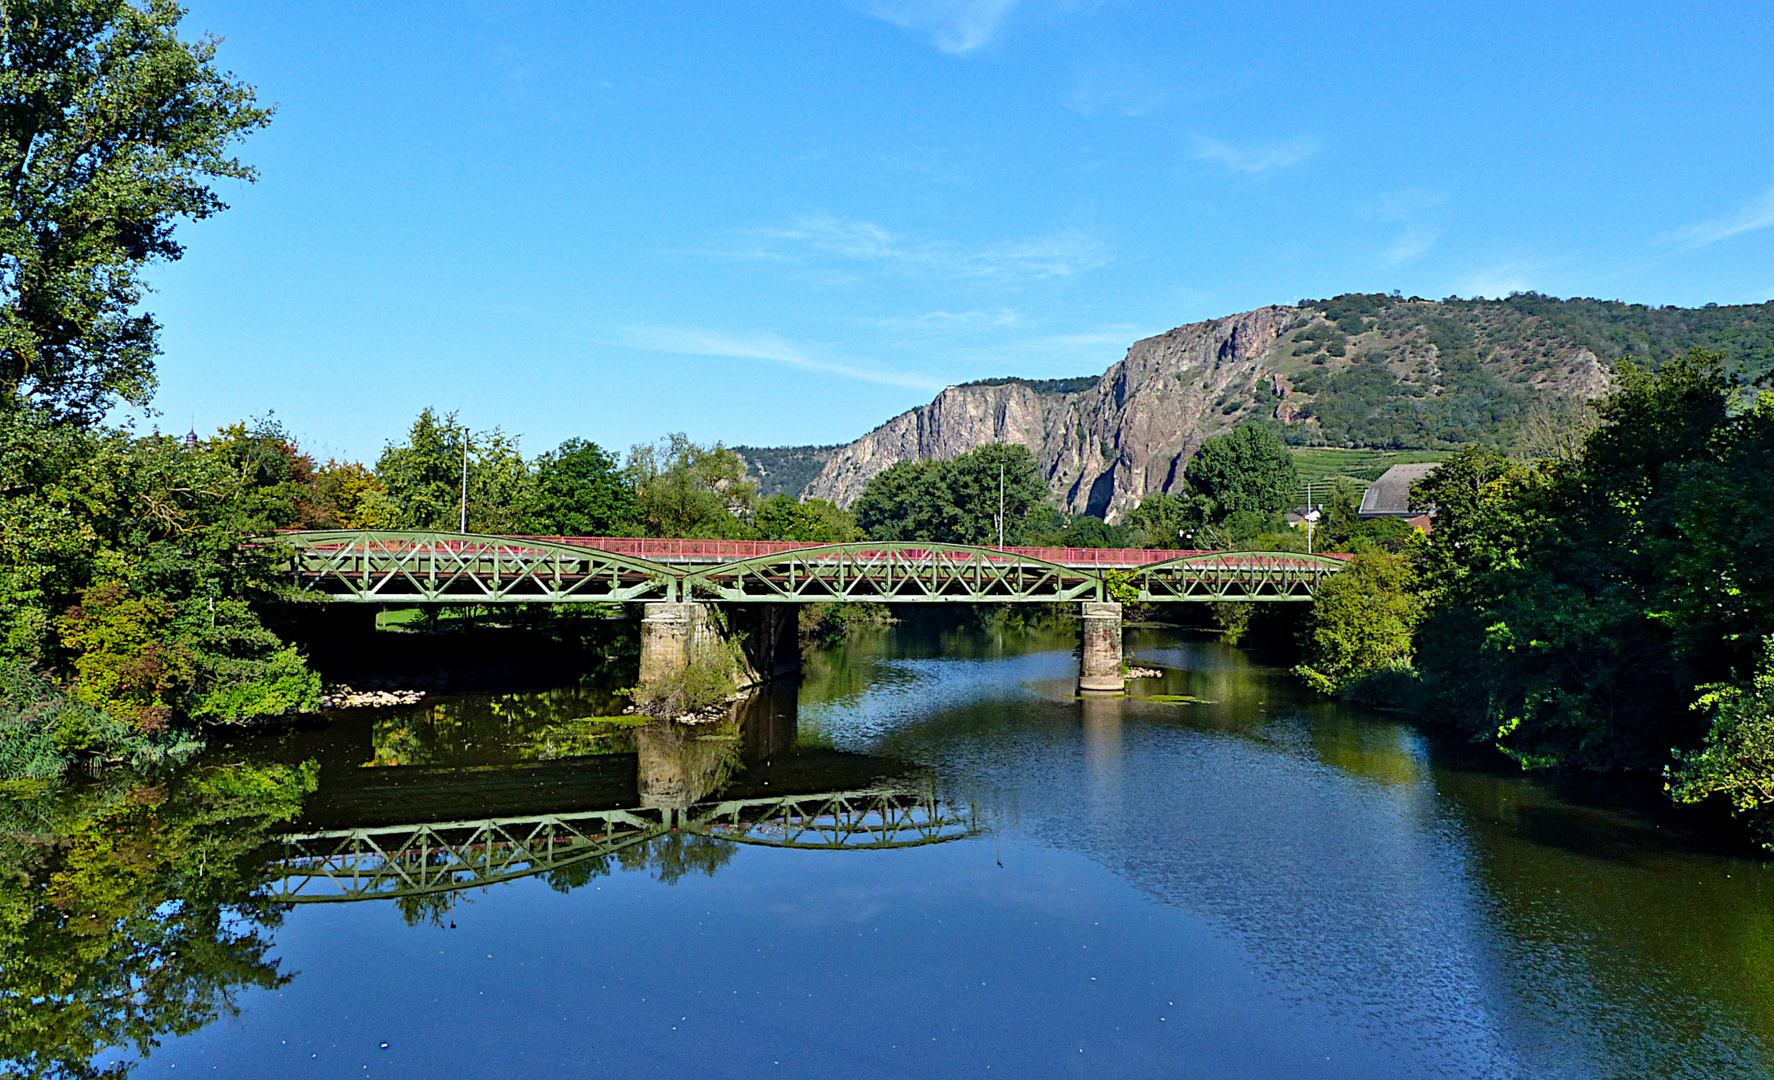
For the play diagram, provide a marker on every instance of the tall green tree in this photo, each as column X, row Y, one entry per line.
column 1362, row 621
column 112, row 130
column 815, row 520
column 686, row 489
column 1245, row 471
column 958, row 501
column 580, row 490
column 424, row 477
column 1572, row 618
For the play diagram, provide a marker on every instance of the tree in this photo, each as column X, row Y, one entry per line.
column 1737, row 759
column 424, row 477
column 683, row 489
column 815, row 520
column 957, row 501
column 1164, row 520
column 896, row 502
column 1578, row 603
column 580, row 491
column 1362, row 621
column 111, row 131
column 1246, row 470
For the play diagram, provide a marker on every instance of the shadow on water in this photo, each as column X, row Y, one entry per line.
column 1460, row 916
column 1542, row 925
column 134, row 907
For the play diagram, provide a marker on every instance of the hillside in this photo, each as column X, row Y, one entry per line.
column 1360, row 371
column 784, row 470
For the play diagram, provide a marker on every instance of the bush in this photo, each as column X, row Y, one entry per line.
column 126, row 664
column 709, row 677
column 1737, row 759
column 1362, row 622
column 42, row 729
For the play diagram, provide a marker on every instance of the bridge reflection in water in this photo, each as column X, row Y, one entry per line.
column 742, row 781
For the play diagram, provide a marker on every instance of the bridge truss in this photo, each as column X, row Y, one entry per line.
column 452, row 568
column 410, row 860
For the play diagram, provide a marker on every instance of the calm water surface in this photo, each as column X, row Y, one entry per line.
column 1217, row 878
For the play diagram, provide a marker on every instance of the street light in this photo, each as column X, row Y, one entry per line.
column 463, row 527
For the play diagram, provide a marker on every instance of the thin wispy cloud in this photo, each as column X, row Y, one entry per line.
column 769, row 348
column 1752, row 216
column 1407, row 209
column 957, row 27
column 1113, row 85
column 1061, row 253
column 1081, row 352
column 1254, row 159
column 945, row 322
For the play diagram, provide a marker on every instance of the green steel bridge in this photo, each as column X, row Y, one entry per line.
column 464, row 568
column 384, row 862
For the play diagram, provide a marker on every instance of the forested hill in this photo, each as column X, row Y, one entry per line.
column 1382, row 371
column 783, row 470
column 1358, row 370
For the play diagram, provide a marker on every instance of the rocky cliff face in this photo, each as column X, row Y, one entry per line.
column 1100, row 449
column 1355, row 370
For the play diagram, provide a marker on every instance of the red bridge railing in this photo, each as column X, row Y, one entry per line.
column 734, row 550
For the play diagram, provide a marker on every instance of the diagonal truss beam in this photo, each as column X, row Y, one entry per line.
column 412, row 860
column 451, row 568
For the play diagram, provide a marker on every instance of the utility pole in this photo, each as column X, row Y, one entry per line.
column 1311, row 517
column 464, row 521
column 1000, row 504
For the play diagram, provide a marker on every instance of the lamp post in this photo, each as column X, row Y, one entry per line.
column 463, row 524
column 1000, row 504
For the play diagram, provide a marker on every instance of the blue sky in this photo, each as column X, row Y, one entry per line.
column 785, row 223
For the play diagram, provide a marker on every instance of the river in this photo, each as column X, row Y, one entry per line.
column 933, row 860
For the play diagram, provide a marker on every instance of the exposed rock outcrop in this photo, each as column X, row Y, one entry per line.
column 1356, row 370
column 1103, row 448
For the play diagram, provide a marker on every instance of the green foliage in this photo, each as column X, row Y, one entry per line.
column 111, row 131
column 1362, row 621
column 122, row 565
column 1089, row 531
column 347, row 495
column 1580, row 602
column 812, row 521
column 1247, row 470
column 126, row 910
column 1118, row 587
column 1737, row 758
column 709, row 676
column 125, row 662
column 1165, row 520
column 684, row 489
column 424, row 477
column 580, row 491
column 956, row 501
column 1503, row 374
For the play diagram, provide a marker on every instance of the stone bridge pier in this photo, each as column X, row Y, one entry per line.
column 1099, row 666
column 672, row 632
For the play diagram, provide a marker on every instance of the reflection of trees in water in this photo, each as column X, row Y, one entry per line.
column 668, row 858
column 1661, row 956
column 677, row 855
column 125, row 910
column 489, row 729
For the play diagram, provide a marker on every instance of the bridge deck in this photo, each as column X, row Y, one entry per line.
column 715, row 552
column 455, row 568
